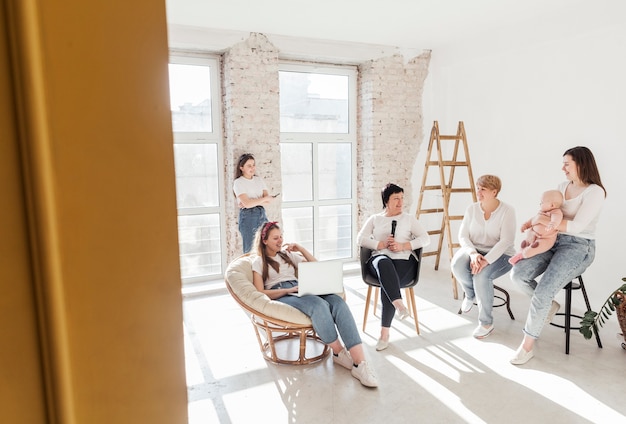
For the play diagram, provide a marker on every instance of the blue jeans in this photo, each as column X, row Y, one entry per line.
column 568, row 258
column 249, row 221
column 329, row 314
column 392, row 274
column 479, row 286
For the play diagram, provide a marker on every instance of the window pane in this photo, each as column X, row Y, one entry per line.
column 335, row 235
column 335, row 170
column 200, row 249
column 297, row 171
column 316, row 103
column 298, row 227
column 196, row 175
column 190, row 98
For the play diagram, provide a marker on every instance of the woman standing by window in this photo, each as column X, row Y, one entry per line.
column 252, row 195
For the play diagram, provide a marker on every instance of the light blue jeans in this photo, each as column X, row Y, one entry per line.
column 249, row 221
column 479, row 286
column 328, row 313
column 569, row 257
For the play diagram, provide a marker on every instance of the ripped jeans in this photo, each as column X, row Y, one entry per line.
column 328, row 313
column 569, row 257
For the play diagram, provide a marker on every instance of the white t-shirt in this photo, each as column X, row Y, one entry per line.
column 285, row 271
column 253, row 187
column 495, row 235
column 378, row 228
column 583, row 211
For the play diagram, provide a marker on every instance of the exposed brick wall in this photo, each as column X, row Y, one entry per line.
column 389, row 125
column 389, row 128
column 251, row 124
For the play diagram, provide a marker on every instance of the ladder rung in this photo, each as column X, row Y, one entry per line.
column 455, row 245
column 460, row 190
column 434, row 252
column 433, row 232
column 447, row 163
column 430, row 211
column 450, row 137
column 455, row 217
column 435, row 187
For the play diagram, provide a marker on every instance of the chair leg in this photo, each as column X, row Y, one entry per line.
column 507, row 300
column 410, row 297
column 595, row 327
column 367, row 306
column 568, row 315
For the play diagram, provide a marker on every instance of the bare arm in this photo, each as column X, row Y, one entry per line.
column 246, row 202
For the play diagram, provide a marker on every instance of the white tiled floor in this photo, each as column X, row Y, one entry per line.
column 441, row 376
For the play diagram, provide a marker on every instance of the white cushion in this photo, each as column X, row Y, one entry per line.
column 239, row 277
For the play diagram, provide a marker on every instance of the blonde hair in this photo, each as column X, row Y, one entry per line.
column 491, row 182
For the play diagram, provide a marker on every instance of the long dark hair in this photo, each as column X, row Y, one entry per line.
column 585, row 165
column 241, row 162
column 388, row 190
column 261, row 236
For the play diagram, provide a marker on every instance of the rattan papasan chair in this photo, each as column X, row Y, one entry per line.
column 275, row 323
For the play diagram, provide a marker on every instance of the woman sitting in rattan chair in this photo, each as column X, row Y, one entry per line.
column 275, row 274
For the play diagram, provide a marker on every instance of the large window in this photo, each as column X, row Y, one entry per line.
column 197, row 153
column 318, row 147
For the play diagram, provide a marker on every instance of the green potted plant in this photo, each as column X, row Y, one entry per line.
column 616, row 302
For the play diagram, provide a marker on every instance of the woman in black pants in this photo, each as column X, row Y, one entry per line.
column 392, row 235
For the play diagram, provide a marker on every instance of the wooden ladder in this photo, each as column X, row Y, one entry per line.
column 445, row 188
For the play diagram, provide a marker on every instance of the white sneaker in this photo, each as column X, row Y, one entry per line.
column 364, row 374
column 521, row 356
column 402, row 313
column 481, row 332
column 554, row 308
column 344, row 359
column 467, row 304
column 382, row 344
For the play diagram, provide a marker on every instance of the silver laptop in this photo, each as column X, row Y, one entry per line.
column 321, row 277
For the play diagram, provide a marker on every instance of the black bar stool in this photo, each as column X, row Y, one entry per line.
column 502, row 301
column 573, row 285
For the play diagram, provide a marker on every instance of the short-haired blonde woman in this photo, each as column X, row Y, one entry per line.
column 486, row 236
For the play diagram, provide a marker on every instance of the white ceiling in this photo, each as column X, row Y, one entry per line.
column 406, row 24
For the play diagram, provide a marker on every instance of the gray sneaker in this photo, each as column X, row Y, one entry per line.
column 364, row 374
column 344, row 359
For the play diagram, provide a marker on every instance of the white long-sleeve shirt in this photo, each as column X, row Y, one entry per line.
column 583, row 211
column 495, row 235
column 378, row 227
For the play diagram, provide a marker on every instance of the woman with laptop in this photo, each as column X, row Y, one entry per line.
column 275, row 273
column 392, row 235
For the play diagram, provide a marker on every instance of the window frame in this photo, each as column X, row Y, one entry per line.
column 214, row 137
column 317, row 138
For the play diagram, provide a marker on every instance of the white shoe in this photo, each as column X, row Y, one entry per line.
column 481, row 332
column 382, row 344
column 467, row 305
column 402, row 313
column 554, row 308
column 344, row 359
column 521, row 356
column 364, row 374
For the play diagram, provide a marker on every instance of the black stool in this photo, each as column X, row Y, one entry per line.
column 572, row 285
column 504, row 301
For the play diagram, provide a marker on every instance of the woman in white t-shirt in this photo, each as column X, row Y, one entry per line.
column 251, row 193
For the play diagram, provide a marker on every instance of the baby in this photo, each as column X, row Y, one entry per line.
column 541, row 230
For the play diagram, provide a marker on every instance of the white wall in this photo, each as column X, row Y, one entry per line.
column 525, row 101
